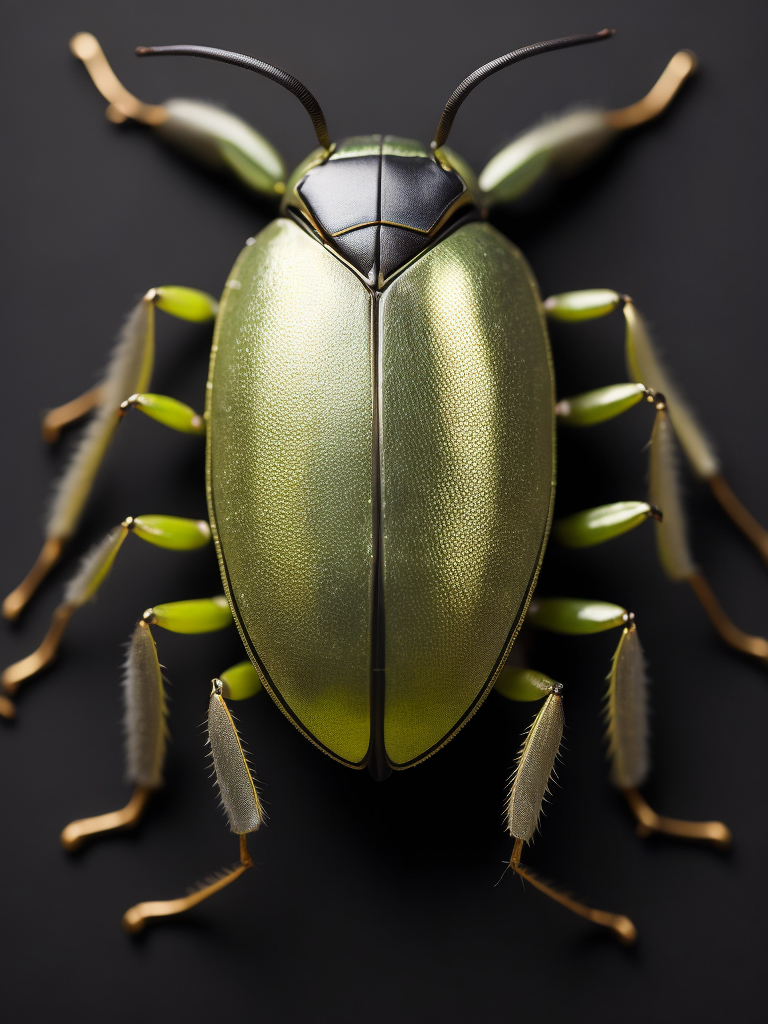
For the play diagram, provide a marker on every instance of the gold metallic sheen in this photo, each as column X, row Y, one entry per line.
column 55, row 419
column 49, row 555
column 15, row 674
column 741, row 516
column 122, row 104
column 648, row 822
column 468, row 450
column 136, row 917
column 76, row 832
column 756, row 646
column 682, row 65
column 621, row 926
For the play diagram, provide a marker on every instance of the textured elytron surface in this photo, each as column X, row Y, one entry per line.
column 145, row 711
column 628, row 714
column 534, row 768
column 290, row 449
column 238, row 793
column 467, row 462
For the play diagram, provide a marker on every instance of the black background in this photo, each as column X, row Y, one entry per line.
column 377, row 902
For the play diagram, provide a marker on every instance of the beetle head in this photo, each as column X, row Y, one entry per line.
column 378, row 201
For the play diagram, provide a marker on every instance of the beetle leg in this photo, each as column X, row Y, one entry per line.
column 128, row 373
column 162, row 531
column 239, row 798
column 530, row 785
column 593, row 407
column 672, row 537
column 56, row 419
column 563, row 144
column 168, row 411
column 645, row 366
column 201, row 130
column 627, row 708
column 621, row 925
column 146, row 711
column 597, row 525
column 673, row 419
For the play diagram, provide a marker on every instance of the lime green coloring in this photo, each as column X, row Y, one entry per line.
column 205, row 615
column 583, row 305
column 241, row 681
column 596, row 525
column 186, row 303
column 172, row 532
column 597, row 406
column 524, row 684
column 245, row 168
column 222, row 139
column 170, row 412
column 574, row 617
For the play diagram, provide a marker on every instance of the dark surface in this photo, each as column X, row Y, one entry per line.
column 377, row 902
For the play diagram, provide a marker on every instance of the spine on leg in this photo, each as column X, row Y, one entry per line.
column 530, row 783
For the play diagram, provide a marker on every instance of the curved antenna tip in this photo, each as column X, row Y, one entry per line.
column 242, row 60
column 464, row 88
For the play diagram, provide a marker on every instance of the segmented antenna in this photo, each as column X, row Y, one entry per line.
column 463, row 90
column 242, row 60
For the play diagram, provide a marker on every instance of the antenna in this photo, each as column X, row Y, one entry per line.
column 463, row 90
column 241, row 60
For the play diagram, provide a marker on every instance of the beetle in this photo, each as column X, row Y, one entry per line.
column 380, row 423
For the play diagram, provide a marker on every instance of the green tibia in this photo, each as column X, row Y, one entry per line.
column 583, row 305
column 205, row 615
column 559, row 144
column 575, row 617
column 596, row 525
column 168, row 411
column 185, row 303
column 524, row 684
column 172, row 532
column 241, row 681
column 599, row 405
column 219, row 138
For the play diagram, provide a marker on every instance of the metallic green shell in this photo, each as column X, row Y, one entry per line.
column 466, row 438
column 467, row 477
column 290, row 450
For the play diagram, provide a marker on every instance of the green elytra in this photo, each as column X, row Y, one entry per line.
column 380, row 465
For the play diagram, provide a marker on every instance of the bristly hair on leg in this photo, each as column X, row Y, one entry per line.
column 128, row 372
column 94, row 567
column 627, row 713
column 146, row 731
column 237, row 788
column 530, row 782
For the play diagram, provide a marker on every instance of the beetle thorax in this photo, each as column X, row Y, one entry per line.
column 379, row 202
